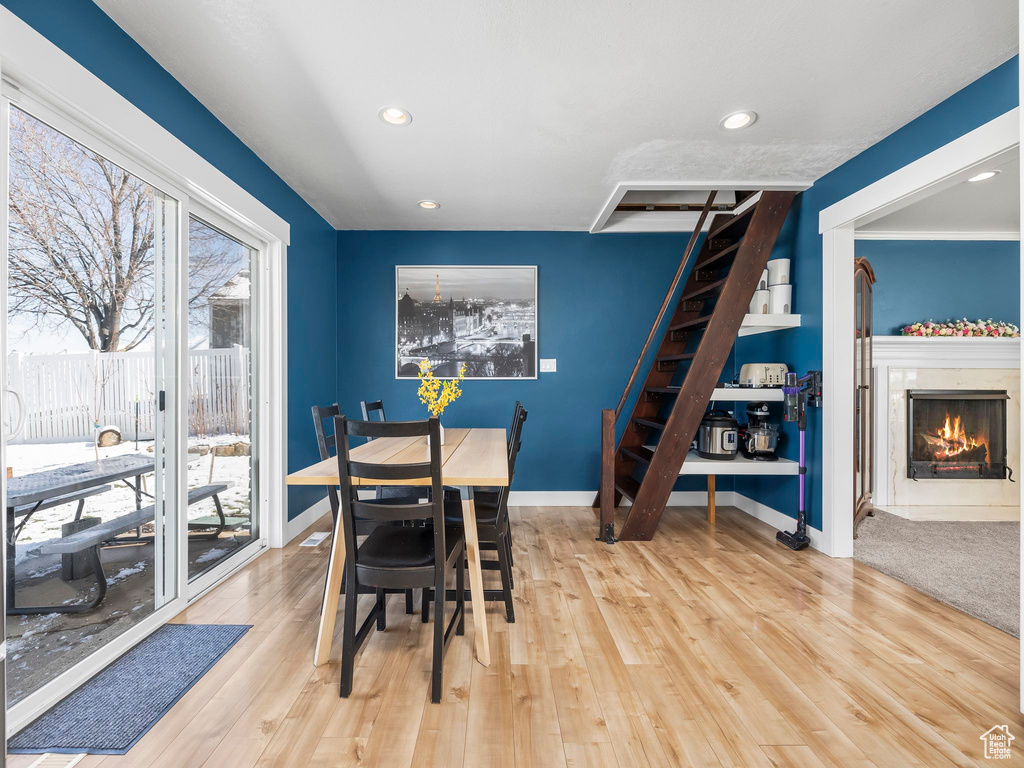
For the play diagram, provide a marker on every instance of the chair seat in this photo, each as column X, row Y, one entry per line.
column 401, row 547
column 486, row 510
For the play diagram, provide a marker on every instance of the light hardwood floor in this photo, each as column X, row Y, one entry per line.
column 704, row 647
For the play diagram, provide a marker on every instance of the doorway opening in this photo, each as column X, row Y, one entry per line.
column 935, row 366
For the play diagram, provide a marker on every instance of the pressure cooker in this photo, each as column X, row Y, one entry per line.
column 717, row 436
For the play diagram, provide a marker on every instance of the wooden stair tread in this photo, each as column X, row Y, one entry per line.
column 733, row 221
column 663, row 390
column 674, row 358
column 627, row 486
column 639, row 453
column 704, row 289
column 649, row 421
column 718, row 256
column 695, row 323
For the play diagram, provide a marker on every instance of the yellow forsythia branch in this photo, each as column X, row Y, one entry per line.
column 436, row 394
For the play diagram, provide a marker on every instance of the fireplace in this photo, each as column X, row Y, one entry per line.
column 956, row 434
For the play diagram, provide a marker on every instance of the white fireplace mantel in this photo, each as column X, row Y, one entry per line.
column 918, row 352
column 945, row 352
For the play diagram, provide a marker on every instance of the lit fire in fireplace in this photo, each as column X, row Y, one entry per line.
column 952, row 440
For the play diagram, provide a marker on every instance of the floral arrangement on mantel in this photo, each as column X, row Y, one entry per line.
column 965, row 327
column 437, row 394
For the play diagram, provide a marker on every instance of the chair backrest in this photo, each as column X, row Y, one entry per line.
column 372, row 407
column 515, row 442
column 325, row 442
column 353, row 507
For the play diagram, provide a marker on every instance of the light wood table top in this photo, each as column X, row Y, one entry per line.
column 469, row 457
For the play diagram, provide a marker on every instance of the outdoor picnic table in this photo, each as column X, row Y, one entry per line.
column 35, row 489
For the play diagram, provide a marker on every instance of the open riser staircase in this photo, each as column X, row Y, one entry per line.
column 694, row 348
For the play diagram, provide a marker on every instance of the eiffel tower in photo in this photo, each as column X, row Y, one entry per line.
column 437, row 291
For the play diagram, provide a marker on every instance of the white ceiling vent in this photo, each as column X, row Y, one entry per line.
column 674, row 207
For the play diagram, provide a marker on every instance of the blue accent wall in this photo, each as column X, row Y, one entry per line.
column 983, row 100
column 597, row 298
column 90, row 37
column 940, row 280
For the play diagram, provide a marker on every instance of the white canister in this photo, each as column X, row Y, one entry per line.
column 759, row 304
column 762, row 284
column 778, row 272
column 780, row 299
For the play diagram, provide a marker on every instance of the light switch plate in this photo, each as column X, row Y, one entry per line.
column 548, row 365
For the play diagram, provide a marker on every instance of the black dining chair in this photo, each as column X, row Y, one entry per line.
column 392, row 491
column 372, row 407
column 394, row 556
column 492, row 523
column 389, row 491
column 324, row 415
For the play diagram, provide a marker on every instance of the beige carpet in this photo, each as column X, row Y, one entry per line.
column 972, row 566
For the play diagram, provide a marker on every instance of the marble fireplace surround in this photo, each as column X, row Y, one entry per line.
column 902, row 363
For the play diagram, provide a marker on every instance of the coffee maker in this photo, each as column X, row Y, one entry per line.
column 759, row 439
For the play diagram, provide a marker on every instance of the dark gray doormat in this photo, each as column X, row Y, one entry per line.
column 115, row 709
column 972, row 566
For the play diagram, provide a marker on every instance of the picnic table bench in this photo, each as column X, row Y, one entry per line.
column 92, row 539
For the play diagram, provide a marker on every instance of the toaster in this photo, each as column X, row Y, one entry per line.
column 763, row 374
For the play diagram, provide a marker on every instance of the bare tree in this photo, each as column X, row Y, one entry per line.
column 81, row 241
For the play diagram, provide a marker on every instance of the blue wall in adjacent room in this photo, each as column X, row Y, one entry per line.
column 920, row 280
column 90, row 37
column 983, row 100
column 597, row 298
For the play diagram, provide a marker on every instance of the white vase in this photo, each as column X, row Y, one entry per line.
column 440, row 428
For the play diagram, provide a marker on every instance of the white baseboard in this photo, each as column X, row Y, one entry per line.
column 762, row 512
column 304, row 519
column 586, row 498
column 773, row 517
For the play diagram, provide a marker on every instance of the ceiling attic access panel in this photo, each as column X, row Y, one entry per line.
column 675, row 207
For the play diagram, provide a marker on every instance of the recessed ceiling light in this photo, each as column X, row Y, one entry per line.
column 430, row 205
column 983, row 176
column 395, row 116
column 738, row 120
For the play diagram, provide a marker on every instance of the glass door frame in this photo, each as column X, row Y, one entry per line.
column 170, row 596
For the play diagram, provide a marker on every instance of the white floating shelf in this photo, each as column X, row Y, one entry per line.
column 766, row 323
column 748, row 394
column 741, row 465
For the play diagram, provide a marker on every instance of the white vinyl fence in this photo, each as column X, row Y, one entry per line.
column 65, row 395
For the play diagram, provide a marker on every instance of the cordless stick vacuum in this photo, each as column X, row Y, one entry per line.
column 797, row 393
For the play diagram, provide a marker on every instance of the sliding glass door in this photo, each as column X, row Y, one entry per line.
column 130, row 371
column 92, row 550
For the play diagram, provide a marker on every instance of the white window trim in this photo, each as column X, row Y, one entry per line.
column 48, row 76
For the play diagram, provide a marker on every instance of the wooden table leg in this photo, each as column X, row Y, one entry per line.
column 711, row 499
column 332, row 589
column 476, row 579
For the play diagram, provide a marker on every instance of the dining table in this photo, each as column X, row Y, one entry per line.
column 470, row 458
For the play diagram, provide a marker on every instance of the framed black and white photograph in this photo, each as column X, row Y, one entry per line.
column 483, row 317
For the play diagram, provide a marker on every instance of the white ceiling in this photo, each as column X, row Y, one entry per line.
column 527, row 113
column 983, row 209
